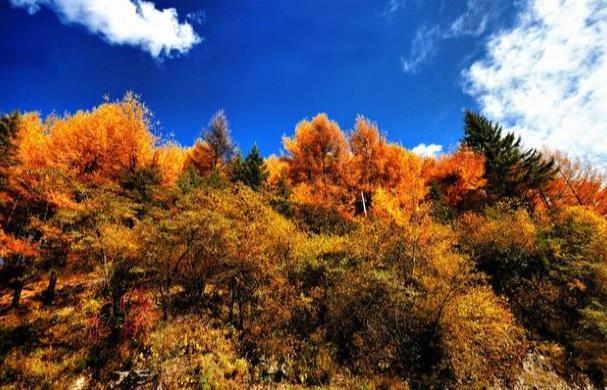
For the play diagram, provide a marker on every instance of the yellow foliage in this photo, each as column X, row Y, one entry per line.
column 33, row 144
column 502, row 232
column 277, row 170
column 481, row 342
column 170, row 159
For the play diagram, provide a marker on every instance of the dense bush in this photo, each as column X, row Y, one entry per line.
column 350, row 262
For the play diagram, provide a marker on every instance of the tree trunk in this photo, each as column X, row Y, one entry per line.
column 17, row 294
column 49, row 294
column 165, row 306
column 240, row 314
column 166, row 298
column 231, row 311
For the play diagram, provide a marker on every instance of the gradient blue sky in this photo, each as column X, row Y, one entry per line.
column 269, row 64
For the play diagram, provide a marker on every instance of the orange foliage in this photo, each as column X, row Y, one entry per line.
column 577, row 183
column 328, row 170
column 34, row 178
column 10, row 246
column 404, row 168
column 201, row 157
column 405, row 191
column 459, row 175
column 319, row 158
column 99, row 145
column 33, row 144
column 375, row 163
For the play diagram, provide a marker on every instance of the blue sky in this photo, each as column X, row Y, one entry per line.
column 410, row 65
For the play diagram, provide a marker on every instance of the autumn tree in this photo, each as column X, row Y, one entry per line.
column 576, row 271
column 101, row 145
column 368, row 156
column 503, row 243
column 379, row 164
column 551, row 269
column 481, row 341
column 170, row 159
column 217, row 137
column 318, row 161
column 458, row 177
column 184, row 246
column 200, row 157
column 576, row 183
column 277, row 170
column 279, row 184
column 267, row 270
column 511, row 171
column 369, row 160
column 102, row 237
column 21, row 199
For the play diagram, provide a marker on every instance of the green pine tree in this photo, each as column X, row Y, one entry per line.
column 189, row 180
column 9, row 126
column 512, row 173
column 256, row 171
column 238, row 169
column 251, row 171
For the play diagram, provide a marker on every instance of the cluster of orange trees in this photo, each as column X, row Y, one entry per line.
column 349, row 254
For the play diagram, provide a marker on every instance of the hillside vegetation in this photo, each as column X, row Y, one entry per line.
column 127, row 260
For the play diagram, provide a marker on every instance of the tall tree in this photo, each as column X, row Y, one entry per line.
column 511, row 171
column 217, row 136
column 318, row 161
column 377, row 163
column 20, row 202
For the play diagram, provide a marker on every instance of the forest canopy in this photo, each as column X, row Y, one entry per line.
column 349, row 261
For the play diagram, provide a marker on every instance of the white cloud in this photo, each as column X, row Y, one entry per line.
column 423, row 47
column 431, row 150
column 197, row 17
column 32, row 6
column 472, row 22
column 546, row 78
column 391, row 7
column 124, row 22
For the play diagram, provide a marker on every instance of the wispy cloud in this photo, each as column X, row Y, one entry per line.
column 135, row 23
column 198, row 17
column 546, row 78
column 472, row 22
column 430, row 150
column 392, row 6
column 423, row 47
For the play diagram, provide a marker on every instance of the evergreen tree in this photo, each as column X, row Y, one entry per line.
column 257, row 173
column 512, row 172
column 9, row 126
column 189, row 180
column 251, row 171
